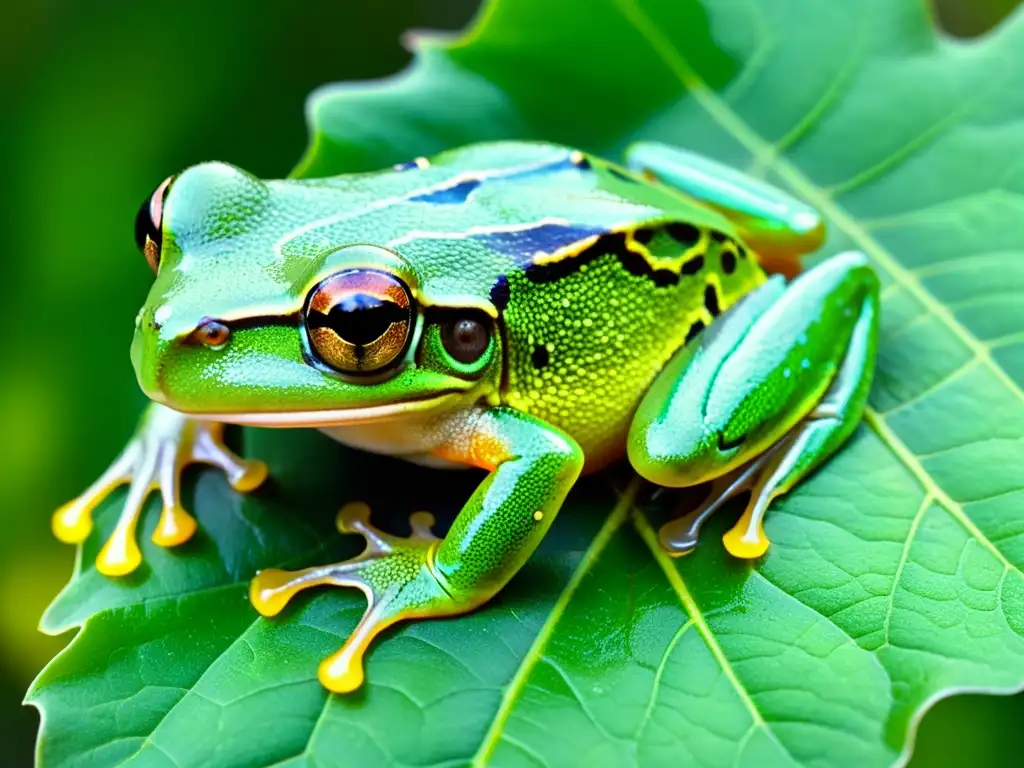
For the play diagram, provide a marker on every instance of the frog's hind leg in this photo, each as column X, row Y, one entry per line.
column 792, row 458
column 775, row 224
column 821, row 433
column 761, row 397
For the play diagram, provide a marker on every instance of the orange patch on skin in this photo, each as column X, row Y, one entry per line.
column 787, row 265
column 485, row 451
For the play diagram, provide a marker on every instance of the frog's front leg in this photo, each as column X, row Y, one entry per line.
column 762, row 397
column 165, row 443
column 532, row 467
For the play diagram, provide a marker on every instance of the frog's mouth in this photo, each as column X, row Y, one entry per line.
column 335, row 417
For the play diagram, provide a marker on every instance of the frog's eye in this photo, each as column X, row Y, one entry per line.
column 359, row 321
column 467, row 337
column 149, row 222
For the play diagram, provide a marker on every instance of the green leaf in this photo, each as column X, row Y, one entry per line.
column 895, row 574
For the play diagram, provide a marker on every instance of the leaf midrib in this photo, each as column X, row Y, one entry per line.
column 614, row 521
column 696, row 616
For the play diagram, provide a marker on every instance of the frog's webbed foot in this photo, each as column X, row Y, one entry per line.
column 395, row 573
column 164, row 445
column 767, row 477
column 746, row 539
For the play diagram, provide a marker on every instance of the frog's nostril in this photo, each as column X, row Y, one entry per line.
column 160, row 316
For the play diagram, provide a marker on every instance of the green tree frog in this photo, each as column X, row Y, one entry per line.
column 524, row 308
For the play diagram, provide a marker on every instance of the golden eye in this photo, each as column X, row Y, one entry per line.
column 149, row 224
column 359, row 321
column 213, row 334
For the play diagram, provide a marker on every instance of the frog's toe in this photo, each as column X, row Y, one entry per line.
column 176, row 526
column 166, row 443
column 680, row 536
column 244, row 475
column 158, row 466
column 120, row 554
column 747, row 540
column 393, row 572
column 72, row 523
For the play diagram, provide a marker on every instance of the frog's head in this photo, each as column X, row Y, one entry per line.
column 249, row 322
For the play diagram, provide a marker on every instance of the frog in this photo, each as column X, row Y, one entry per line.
column 525, row 308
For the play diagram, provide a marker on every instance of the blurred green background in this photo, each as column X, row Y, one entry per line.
column 100, row 102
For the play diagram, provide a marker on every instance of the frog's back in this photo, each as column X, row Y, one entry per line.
column 610, row 274
column 598, row 274
column 591, row 323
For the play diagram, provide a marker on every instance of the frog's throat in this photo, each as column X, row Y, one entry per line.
column 336, row 417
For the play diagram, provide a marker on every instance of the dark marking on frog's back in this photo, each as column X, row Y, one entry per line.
column 711, row 300
column 540, row 356
column 692, row 266
column 550, row 251
column 636, row 264
column 500, row 293
column 453, row 195
column 545, row 238
column 644, row 235
column 696, row 327
column 612, row 243
column 686, row 235
column 728, row 261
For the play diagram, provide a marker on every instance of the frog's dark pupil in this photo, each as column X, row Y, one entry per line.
column 359, row 318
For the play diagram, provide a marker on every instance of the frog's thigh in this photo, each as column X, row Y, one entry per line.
column 776, row 225
column 762, row 400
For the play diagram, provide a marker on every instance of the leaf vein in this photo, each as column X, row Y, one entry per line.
column 912, row 463
column 915, row 524
column 678, row 586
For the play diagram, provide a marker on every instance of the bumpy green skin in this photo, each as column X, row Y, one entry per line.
column 510, row 512
column 765, row 367
column 606, row 289
column 247, row 252
column 777, row 385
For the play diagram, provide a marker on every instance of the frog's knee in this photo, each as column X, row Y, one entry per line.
column 673, row 455
column 850, row 262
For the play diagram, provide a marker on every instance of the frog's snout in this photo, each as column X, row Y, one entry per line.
column 150, row 345
column 144, row 357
